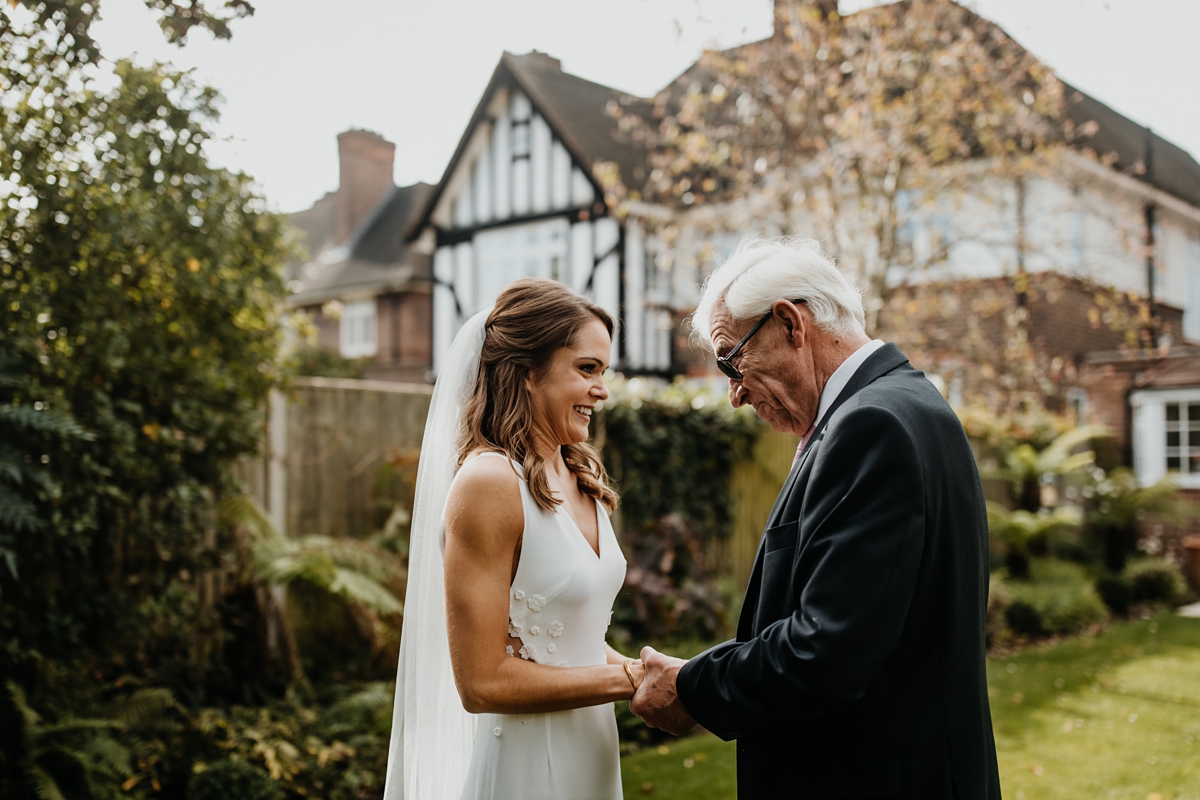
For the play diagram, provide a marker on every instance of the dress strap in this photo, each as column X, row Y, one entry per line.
column 514, row 464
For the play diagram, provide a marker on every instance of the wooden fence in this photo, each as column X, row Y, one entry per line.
column 330, row 444
column 755, row 484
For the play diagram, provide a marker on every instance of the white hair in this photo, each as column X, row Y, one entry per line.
column 759, row 272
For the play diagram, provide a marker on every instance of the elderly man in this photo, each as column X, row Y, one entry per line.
column 858, row 667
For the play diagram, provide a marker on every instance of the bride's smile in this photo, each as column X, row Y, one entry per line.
column 564, row 395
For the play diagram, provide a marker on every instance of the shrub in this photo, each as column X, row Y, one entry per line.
column 1116, row 593
column 1058, row 598
column 319, row 363
column 229, row 779
column 1024, row 618
column 337, row 751
column 999, row 599
column 1155, row 581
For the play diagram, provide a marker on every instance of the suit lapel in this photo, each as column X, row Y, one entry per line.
column 879, row 363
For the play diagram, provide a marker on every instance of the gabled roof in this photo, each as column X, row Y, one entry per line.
column 578, row 111
column 1138, row 151
column 374, row 259
column 1181, row 369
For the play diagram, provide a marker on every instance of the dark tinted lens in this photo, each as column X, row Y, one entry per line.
column 730, row 370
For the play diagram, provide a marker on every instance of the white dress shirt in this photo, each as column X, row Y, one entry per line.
column 842, row 375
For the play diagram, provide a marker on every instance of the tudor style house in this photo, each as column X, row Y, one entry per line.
column 521, row 197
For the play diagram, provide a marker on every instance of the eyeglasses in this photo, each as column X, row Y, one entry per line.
column 725, row 362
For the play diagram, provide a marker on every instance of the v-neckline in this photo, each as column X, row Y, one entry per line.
column 595, row 510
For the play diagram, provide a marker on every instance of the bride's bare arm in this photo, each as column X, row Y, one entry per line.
column 484, row 521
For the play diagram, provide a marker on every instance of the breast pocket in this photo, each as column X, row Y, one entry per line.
column 780, row 536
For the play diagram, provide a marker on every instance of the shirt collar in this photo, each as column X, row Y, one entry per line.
column 842, row 375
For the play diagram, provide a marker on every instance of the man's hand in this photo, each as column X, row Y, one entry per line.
column 656, row 700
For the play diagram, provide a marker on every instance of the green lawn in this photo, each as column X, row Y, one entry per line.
column 1108, row 717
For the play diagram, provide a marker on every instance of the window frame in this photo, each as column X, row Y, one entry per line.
column 1150, row 429
column 358, row 328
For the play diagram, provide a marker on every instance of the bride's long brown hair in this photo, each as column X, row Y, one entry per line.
column 532, row 319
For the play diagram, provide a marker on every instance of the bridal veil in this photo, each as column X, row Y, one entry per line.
column 430, row 750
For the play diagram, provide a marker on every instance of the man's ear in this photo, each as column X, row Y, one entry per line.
column 795, row 324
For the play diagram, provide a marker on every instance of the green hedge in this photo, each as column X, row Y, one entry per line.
column 671, row 451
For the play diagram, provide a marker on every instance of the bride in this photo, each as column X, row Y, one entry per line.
column 505, row 684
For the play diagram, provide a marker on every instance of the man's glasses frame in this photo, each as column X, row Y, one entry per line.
column 725, row 362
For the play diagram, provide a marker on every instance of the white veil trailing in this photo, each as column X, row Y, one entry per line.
column 432, row 735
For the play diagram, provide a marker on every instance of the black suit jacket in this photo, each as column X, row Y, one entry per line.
column 858, row 667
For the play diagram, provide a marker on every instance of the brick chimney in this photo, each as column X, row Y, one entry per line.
column 545, row 59
column 365, row 162
column 786, row 13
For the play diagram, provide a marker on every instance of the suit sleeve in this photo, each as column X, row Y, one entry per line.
column 860, row 537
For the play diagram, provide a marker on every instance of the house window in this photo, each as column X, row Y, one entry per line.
column 358, row 329
column 537, row 250
column 941, row 238
column 1166, row 435
column 520, row 139
column 1191, row 310
column 1077, row 230
column 1182, row 437
column 1077, row 404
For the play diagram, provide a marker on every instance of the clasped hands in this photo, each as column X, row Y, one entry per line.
column 656, row 700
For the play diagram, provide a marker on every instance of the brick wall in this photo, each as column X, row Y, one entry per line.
column 405, row 338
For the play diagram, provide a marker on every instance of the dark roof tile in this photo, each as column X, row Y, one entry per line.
column 376, row 258
column 1139, row 151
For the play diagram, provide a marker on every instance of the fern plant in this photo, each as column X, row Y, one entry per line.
column 350, row 571
column 1021, row 529
column 28, row 428
column 75, row 756
column 1117, row 502
column 1024, row 466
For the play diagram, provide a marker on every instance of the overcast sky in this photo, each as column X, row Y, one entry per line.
column 300, row 71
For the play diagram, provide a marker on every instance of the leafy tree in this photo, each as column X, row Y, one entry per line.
column 892, row 136
column 65, row 25
column 850, row 127
column 147, row 284
column 140, row 292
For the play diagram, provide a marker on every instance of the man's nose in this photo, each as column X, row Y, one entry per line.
column 737, row 393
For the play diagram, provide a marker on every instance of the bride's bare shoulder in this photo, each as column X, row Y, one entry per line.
column 486, row 495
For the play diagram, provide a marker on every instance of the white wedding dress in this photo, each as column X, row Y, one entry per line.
column 560, row 605
column 561, row 599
